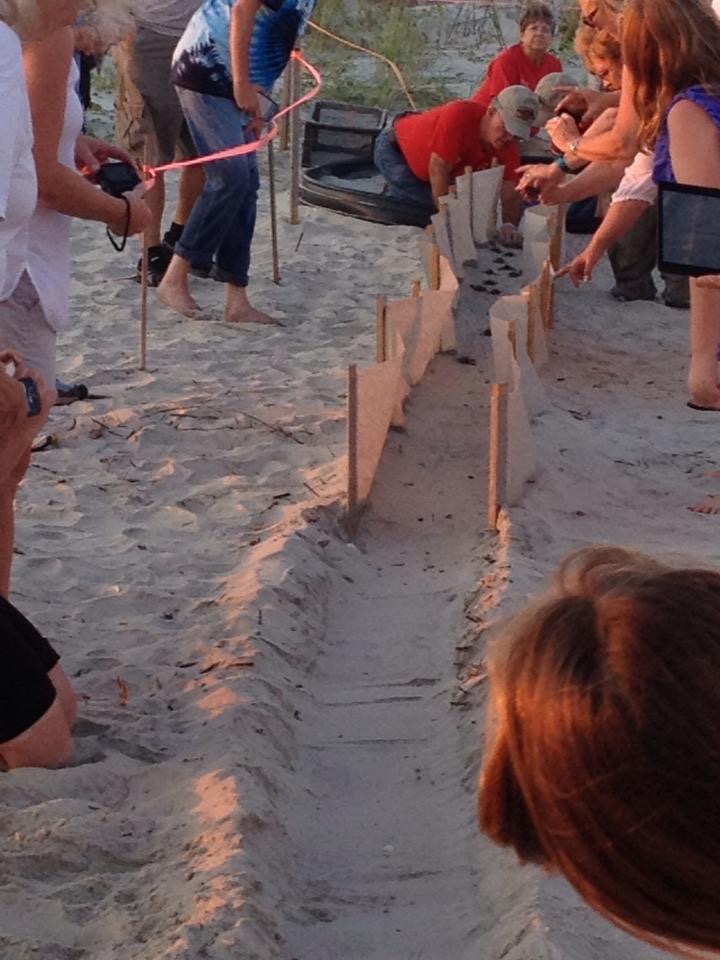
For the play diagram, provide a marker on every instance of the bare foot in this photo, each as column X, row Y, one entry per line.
column 178, row 299
column 173, row 289
column 702, row 384
column 710, row 505
column 251, row 315
column 238, row 308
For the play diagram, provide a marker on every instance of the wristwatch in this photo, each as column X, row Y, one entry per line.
column 573, row 148
column 32, row 396
column 563, row 164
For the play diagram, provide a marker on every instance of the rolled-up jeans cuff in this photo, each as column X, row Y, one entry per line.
column 195, row 261
column 226, row 276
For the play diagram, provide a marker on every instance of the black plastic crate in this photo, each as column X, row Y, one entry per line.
column 339, row 131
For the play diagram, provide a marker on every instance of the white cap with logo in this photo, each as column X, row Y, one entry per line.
column 518, row 106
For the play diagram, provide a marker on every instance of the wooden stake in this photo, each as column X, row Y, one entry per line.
column 535, row 316
column 144, row 288
column 512, row 335
column 416, row 288
column 273, row 214
column 352, row 428
column 381, row 329
column 295, row 130
column 557, row 237
column 285, row 102
column 435, row 268
column 497, row 454
column 469, row 173
column 546, row 296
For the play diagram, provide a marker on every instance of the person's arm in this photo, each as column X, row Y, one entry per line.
column 47, row 63
column 511, row 205
column 618, row 143
column 618, row 220
column 242, row 23
column 595, row 178
column 592, row 103
column 439, row 173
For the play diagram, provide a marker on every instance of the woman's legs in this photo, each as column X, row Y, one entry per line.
column 704, row 341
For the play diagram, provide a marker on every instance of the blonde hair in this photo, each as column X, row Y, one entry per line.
column 108, row 21
column 20, row 15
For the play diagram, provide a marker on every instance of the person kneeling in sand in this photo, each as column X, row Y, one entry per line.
column 37, row 703
column 421, row 154
column 604, row 761
column 231, row 51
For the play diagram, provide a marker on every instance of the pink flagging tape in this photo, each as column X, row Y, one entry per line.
column 244, row 148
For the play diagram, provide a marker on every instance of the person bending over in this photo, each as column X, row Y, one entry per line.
column 150, row 122
column 604, row 761
column 628, row 233
column 230, row 52
column 525, row 63
column 422, row 153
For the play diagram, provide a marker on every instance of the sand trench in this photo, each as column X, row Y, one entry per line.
column 384, row 838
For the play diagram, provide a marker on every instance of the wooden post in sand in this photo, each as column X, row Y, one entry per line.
column 144, row 266
column 381, row 329
column 547, row 299
column 416, row 288
column 273, row 214
column 295, row 129
column 556, row 238
column 497, row 454
column 434, row 281
column 535, row 317
column 469, row 173
column 352, row 438
column 284, row 104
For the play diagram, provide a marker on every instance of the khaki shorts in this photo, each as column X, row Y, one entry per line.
column 23, row 328
column 148, row 111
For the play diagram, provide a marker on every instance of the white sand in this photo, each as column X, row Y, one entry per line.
column 293, row 773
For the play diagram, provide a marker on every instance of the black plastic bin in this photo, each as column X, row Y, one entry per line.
column 341, row 131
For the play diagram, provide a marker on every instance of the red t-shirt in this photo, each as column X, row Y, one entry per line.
column 514, row 66
column 453, row 133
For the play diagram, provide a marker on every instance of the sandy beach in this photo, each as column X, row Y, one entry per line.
column 281, row 729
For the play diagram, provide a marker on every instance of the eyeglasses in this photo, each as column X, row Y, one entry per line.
column 589, row 20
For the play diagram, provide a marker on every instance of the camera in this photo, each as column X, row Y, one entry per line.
column 117, row 178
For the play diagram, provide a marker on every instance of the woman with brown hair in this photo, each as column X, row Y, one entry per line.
column 605, row 763
column 670, row 103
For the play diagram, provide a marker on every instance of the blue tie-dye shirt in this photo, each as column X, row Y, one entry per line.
column 202, row 57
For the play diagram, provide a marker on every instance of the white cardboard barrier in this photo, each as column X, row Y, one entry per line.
column 461, row 238
column 442, row 236
column 485, row 195
column 373, row 397
column 509, row 324
column 536, row 242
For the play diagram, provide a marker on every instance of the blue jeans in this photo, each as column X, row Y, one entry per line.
column 219, row 233
column 402, row 182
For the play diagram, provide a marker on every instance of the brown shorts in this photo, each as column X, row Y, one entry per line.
column 148, row 111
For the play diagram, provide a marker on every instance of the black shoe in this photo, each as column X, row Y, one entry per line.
column 628, row 295
column 676, row 301
column 158, row 261
column 70, row 393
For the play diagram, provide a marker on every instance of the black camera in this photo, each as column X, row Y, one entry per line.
column 117, row 178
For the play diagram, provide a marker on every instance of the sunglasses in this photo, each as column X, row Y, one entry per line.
column 589, row 20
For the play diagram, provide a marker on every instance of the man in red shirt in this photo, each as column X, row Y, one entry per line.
column 423, row 153
column 526, row 62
